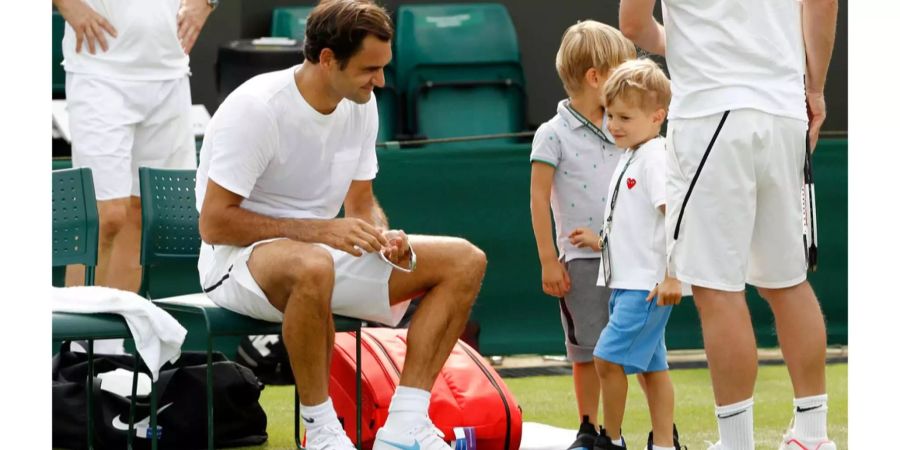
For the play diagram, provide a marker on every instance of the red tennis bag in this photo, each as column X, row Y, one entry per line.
column 467, row 392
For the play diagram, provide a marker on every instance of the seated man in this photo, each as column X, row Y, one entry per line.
column 281, row 155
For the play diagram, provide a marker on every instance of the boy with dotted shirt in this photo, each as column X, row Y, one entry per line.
column 633, row 249
column 573, row 157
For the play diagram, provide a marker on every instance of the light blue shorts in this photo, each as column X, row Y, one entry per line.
column 635, row 337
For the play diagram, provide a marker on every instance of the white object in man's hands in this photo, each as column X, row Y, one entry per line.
column 412, row 260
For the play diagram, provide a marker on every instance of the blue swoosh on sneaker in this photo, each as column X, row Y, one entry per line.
column 415, row 445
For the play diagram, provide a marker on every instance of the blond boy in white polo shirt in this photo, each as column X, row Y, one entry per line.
column 573, row 157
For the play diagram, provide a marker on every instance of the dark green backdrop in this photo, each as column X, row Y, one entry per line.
column 481, row 193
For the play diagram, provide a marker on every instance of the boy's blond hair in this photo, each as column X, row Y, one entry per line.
column 639, row 82
column 590, row 44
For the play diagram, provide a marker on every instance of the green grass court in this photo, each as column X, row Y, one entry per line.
column 549, row 400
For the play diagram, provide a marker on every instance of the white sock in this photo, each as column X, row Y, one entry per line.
column 736, row 425
column 659, row 447
column 810, row 416
column 620, row 441
column 409, row 407
column 316, row 417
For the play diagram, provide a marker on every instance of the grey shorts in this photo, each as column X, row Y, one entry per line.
column 585, row 310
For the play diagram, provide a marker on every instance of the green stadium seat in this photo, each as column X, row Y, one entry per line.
column 388, row 114
column 170, row 248
column 459, row 70
column 75, row 236
column 59, row 74
column 290, row 22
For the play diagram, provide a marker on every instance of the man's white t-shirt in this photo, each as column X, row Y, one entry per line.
column 146, row 49
column 268, row 145
column 735, row 54
column 637, row 237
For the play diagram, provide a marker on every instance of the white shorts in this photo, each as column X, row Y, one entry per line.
column 119, row 125
column 743, row 220
column 360, row 285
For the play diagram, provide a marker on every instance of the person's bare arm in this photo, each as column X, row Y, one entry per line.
column 554, row 278
column 819, row 23
column 637, row 23
column 191, row 17
column 87, row 23
column 360, row 202
column 223, row 221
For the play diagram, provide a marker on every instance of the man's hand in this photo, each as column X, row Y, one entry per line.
column 555, row 279
column 668, row 292
column 397, row 249
column 191, row 18
column 585, row 237
column 351, row 235
column 86, row 23
column 815, row 109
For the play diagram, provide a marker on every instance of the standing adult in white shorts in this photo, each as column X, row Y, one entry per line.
column 281, row 155
column 737, row 142
column 129, row 103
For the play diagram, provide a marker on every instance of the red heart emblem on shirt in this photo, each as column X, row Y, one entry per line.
column 631, row 182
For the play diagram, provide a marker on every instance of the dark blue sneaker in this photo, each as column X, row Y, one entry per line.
column 587, row 433
column 603, row 442
column 674, row 439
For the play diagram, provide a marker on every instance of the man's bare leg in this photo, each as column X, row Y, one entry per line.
column 801, row 334
column 118, row 247
column 729, row 341
column 449, row 274
column 731, row 352
column 124, row 271
column 298, row 280
column 449, row 271
column 587, row 390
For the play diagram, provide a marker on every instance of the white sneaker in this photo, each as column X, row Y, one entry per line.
column 330, row 437
column 790, row 442
column 425, row 436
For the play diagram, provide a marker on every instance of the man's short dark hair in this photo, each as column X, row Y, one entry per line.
column 342, row 25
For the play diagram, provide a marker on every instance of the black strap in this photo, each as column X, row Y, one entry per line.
column 612, row 200
column 697, row 174
column 607, row 227
column 219, row 283
column 590, row 125
column 570, row 331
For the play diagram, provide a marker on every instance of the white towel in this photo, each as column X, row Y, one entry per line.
column 157, row 335
column 538, row 436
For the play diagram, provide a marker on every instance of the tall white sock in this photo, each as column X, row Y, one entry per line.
column 810, row 417
column 409, row 407
column 316, row 417
column 736, row 425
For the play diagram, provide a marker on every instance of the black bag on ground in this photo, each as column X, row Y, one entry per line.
column 181, row 400
column 267, row 357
